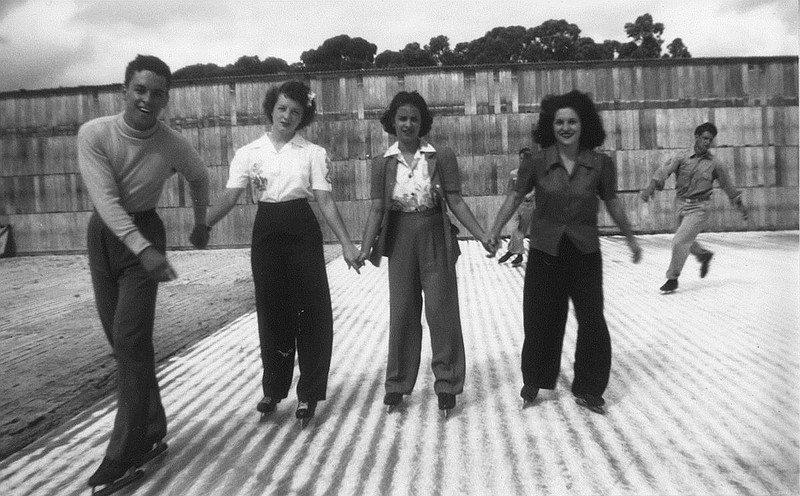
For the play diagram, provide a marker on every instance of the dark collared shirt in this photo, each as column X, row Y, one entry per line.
column 695, row 175
column 567, row 204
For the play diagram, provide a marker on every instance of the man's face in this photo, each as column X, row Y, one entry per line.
column 703, row 142
column 145, row 96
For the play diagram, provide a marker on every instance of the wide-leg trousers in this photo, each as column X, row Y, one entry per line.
column 550, row 282
column 692, row 220
column 293, row 301
column 418, row 265
column 126, row 300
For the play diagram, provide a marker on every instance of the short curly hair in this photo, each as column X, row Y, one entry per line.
column 706, row 126
column 407, row 98
column 148, row 63
column 592, row 132
column 296, row 91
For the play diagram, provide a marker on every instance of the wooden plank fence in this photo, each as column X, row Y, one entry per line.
column 485, row 113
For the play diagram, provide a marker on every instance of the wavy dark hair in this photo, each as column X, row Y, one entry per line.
column 148, row 63
column 592, row 132
column 406, row 98
column 296, row 91
column 706, row 126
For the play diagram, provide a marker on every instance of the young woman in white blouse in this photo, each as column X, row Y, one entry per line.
column 293, row 301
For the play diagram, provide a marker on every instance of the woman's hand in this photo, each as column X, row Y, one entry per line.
column 352, row 256
column 636, row 250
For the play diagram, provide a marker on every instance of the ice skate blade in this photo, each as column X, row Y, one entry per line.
column 129, row 478
column 303, row 422
column 159, row 449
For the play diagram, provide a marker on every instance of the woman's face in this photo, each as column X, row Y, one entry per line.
column 286, row 115
column 567, row 127
column 407, row 123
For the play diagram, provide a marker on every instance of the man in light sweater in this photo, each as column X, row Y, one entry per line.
column 125, row 160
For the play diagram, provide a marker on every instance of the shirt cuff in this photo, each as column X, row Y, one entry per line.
column 136, row 242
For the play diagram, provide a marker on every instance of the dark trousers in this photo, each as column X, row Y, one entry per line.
column 126, row 301
column 550, row 282
column 418, row 264
column 293, row 301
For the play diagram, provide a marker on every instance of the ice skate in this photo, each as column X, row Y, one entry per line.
column 305, row 412
column 447, row 402
column 157, row 447
column 392, row 401
column 528, row 395
column 668, row 287
column 267, row 405
column 113, row 476
column 590, row 401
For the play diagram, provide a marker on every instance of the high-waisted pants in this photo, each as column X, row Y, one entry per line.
column 418, row 265
column 293, row 301
column 550, row 282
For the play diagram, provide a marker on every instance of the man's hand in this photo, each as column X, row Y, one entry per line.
column 636, row 250
column 645, row 195
column 200, row 236
column 742, row 209
column 156, row 265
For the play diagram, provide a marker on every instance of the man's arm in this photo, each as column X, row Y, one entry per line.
column 660, row 177
column 734, row 195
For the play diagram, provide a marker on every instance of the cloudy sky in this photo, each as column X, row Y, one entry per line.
column 53, row 43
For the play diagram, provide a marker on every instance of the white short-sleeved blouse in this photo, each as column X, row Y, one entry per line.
column 277, row 176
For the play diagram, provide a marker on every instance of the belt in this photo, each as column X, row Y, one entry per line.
column 694, row 200
column 142, row 214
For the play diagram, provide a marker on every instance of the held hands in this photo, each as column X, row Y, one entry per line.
column 636, row 250
column 200, row 236
column 352, row 256
column 156, row 265
column 645, row 195
column 490, row 243
column 742, row 209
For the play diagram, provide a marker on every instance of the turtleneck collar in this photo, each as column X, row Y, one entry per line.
column 127, row 130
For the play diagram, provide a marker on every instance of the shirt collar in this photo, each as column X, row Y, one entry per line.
column 424, row 147
column 707, row 154
column 552, row 158
column 297, row 141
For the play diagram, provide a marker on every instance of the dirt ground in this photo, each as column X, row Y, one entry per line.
column 54, row 357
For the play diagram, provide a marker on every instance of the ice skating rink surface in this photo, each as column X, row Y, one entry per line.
column 703, row 397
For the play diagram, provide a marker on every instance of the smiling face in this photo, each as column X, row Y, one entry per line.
column 703, row 142
column 286, row 116
column 567, row 127
column 146, row 95
column 407, row 124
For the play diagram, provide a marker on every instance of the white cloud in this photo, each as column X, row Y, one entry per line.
column 50, row 43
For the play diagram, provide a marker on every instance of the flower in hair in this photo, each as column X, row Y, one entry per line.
column 311, row 96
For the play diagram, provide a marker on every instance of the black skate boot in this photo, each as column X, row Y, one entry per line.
column 267, row 405
column 392, row 401
column 113, row 475
column 590, row 401
column 528, row 394
column 305, row 412
column 447, row 402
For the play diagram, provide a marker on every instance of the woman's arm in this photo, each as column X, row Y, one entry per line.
column 614, row 207
column 334, row 219
column 507, row 209
column 464, row 215
column 225, row 203
column 371, row 227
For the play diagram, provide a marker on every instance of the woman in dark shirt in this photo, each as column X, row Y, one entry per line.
column 564, row 261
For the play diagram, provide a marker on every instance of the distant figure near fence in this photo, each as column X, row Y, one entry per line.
column 516, row 243
column 125, row 160
column 564, row 262
column 695, row 171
